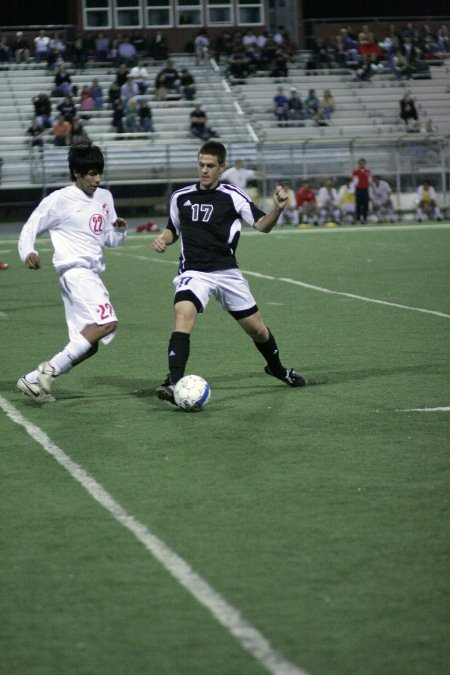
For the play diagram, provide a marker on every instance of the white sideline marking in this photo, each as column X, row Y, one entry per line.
column 347, row 295
column 269, row 277
column 249, row 637
column 444, row 408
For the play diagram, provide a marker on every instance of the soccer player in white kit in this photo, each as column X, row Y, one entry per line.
column 81, row 220
column 207, row 218
column 380, row 195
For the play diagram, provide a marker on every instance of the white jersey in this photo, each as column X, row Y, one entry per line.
column 79, row 226
column 327, row 198
column 381, row 193
column 238, row 177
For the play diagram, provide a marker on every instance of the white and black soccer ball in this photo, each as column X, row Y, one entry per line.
column 192, row 393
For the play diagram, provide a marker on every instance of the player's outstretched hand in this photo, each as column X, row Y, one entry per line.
column 121, row 224
column 32, row 261
column 280, row 197
column 159, row 244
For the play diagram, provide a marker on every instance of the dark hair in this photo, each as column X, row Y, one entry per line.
column 83, row 157
column 214, row 148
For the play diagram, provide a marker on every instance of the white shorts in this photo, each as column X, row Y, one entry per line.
column 229, row 287
column 86, row 301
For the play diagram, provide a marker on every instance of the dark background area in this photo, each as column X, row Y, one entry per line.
column 27, row 12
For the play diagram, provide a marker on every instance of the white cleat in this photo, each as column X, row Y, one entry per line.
column 46, row 376
column 34, row 391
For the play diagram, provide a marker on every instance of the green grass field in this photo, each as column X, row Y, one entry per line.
column 314, row 520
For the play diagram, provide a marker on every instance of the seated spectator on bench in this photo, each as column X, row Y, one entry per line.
column 380, row 197
column 67, row 108
column 86, row 102
column 327, row 104
column 43, row 110
column 238, row 62
column 295, row 105
column 63, row 82
column 140, row 75
column 279, row 65
column 199, row 126
column 145, row 117
column 408, row 109
column 20, row 48
column 187, row 84
column 307, row 204
column 280, row 105
column 96, row 92
column 427, row 202
column 101, row 47
column 35, row 134
column 62, row 130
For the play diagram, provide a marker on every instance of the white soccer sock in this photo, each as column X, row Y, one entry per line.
column 63, row 361
column 419, row 214
column 437, row 212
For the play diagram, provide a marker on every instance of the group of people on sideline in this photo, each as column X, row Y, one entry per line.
column 356, row 200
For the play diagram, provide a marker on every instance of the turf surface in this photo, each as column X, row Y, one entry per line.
column 319, row 513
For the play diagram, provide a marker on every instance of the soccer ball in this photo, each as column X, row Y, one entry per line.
column 192, row 393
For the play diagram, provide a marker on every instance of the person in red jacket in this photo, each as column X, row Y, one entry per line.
column 361, row 181
column 306, row 203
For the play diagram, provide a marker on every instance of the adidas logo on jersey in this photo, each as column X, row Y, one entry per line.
column 188, row 203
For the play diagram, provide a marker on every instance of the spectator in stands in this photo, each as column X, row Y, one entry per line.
column 280, row 106
column 429, row 127
column 67, row 109
column 113, row 55
column 187, row 84
column 35, row 134
column 307, row 204
column 61, row 131
column 43, row 110
column 101, row 47
column 140, row 44
column 238, row 62
column 63, row 82
column 426, row 201
column 327, row 104
column 346, row 201
column 443, row 39
column 279, row 65
column 54, row 59
column 320, row 54
column 289, row 215
column 117, row 116
column 79, row 134
column 132, row 115
column 249, row 39
column 122, row 74
column 201, row 47
column 56, row 42
column 158, row 47
column 21, row 48
column 199, row 124
column 127, row 52
column 87, row 103
column 328, row 204
column 96, row 92
column 79, row 54
column 239, row 176
column 408, row 110
column 140, row 75
column 400, row 66
column 145, row 117
column 41, row 46
column 312, row 106
column 365, row 69
column 295, row 106
column 167, row 81
column 350, row 45
column 5, row 50
column 361, row 181
column 268, row 52
column 380, row 193
column 128, row 90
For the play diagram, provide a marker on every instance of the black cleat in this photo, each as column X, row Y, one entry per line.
column 165, row 391
column 292, row 378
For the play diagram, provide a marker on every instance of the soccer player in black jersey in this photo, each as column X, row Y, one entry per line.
column 207, row 218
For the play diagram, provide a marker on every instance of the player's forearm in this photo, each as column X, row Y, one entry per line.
column 266, row 223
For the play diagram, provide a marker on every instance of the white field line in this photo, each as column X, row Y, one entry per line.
column 248, row 637
column 444, row 408
column 330, row 291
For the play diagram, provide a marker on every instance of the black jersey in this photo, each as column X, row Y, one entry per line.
column 209, row 224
